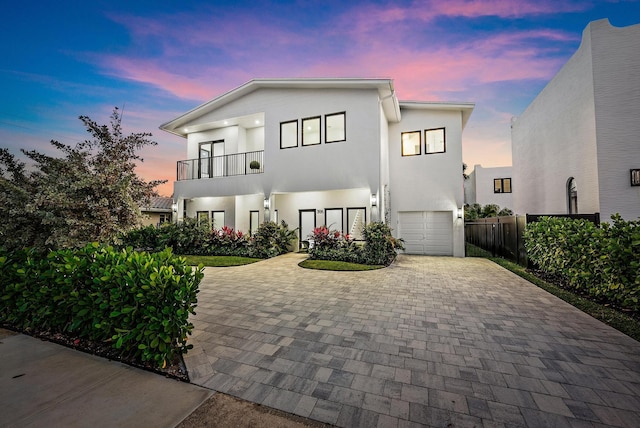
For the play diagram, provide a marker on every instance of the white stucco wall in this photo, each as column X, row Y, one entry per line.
column 616, row 76
column 584, row 124
column 483, row 181
column 428, row 182
column 554, row 139
column 353, row 163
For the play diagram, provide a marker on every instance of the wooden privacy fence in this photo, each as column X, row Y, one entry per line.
column 503, row 236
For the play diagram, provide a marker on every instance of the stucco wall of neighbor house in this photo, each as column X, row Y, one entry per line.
column 484, row 190
column 616, row 76
column 470, row 188
column 555, row 138
column 381, row 211
column 428, row 182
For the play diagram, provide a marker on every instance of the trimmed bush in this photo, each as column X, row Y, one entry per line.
column 140, row 302
column 602, row 262
column 380, row 247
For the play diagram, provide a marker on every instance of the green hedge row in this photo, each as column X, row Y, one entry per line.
column 602, row 262
column 191, row 237
column 140, row 302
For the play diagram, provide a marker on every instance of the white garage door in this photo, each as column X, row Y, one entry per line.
column 426, row 232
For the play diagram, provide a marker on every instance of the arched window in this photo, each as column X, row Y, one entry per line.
column 572, row 196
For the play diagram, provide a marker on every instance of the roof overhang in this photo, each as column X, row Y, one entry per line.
column 466, row 108
column 386, row 94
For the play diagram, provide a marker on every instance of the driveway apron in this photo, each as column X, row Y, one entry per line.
column 429, row 341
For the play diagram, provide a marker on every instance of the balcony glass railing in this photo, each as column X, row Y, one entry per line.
column 221, row 166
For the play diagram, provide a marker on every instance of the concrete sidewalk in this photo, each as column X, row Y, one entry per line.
column 45, row 384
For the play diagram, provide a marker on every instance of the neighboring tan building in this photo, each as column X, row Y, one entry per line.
column 489, row 186
column 576, row 148
column 335, row 152
column 158, row 211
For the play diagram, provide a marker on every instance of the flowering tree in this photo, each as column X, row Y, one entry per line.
column 91, row 193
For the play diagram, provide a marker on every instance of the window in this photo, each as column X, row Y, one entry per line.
column 356, row 219
column 289, row 134
column 335, row 127
column 333, row 218
column 311, row 131
column 254, row 219
column 217, row 219
column 434, row 141
column 203, row 217
column 165, row 218
column 211, row 159
column 411, row 143
column 502, row 185
column 572, row 196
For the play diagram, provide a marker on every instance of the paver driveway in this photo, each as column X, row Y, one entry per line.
column 428, row 341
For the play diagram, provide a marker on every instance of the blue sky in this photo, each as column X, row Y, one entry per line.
column 158, row 59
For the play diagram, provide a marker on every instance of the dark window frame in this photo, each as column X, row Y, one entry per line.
column 251, row 225
column 502, row 181
column 402, row 143
column 344, row 123
column 297, row 133
column 319, row 119
column 365, row 218
column 444, row 140
column 212, row 219
column 201, row 220
column 341, row 226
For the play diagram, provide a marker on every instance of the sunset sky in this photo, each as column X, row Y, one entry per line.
column 158, row 59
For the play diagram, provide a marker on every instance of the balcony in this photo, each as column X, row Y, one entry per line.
column 221, row 166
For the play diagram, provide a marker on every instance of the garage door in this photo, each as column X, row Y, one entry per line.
column 426, row 232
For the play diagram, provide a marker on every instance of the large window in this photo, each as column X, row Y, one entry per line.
column 311, row 131
column 333, row 218
column 502, row 185
column 203, row 217
column 217, row 219
column 356, row 219
column 434, row 141
column 335, row 127
column 411, row 143
column 254, row 221
column 289, row 134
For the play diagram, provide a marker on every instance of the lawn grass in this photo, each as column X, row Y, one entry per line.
column 336, row 265
column 219, row 261
column 608, row 315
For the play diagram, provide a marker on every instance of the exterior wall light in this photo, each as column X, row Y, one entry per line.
column 267, row 203
column 635, row 177
column 460, row 212
column 374, row 200
column 174, row 207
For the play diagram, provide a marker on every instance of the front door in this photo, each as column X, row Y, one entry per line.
column 306, row 224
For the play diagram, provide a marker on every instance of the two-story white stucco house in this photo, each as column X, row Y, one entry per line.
column 338, row 152
column 576, row 148
column 489, row 186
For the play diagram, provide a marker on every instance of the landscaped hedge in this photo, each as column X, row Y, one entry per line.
column 194, row 238
column 139, row 302
column 379, row 248
column 602, row 262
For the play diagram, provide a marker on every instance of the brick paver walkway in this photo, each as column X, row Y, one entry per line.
column 429, row 341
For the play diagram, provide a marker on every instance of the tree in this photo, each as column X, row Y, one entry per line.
column 465, row 176
column 92, row 193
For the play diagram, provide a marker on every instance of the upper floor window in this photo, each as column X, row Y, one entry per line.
column 311, row 131
column 502, row 185
column 434, row 140
column 411, row 143
column 335, row 127
column 289, row 134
